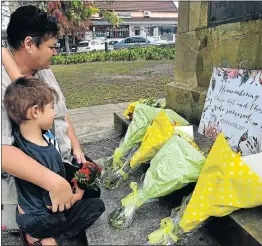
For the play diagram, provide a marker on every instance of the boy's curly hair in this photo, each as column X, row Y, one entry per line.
column 25, row 92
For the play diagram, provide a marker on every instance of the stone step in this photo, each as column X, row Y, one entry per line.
column 243, row 227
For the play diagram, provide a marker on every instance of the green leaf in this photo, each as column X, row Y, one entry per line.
column 245, row 76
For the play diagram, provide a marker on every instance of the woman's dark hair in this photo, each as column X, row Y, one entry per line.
column 30, row 21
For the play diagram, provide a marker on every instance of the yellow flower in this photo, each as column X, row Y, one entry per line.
column 130, row 109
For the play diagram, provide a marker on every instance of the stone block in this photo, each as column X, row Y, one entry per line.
column 183, row 17
column 121, row 123
column 237, row 45
column 197, row 15
column 186, row 101
column 203, row 15
column 240, row 228
column 186, row 58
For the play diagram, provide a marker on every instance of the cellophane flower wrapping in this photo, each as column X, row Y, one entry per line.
column 155, row 137
column 169, row 232
column 112, row 179
column 175, row 165
column 143, row 118
column 226, row 183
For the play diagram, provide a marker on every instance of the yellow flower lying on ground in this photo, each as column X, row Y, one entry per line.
column 128, row 113
column 130, row 109
column 156, row 135
column 225, row 184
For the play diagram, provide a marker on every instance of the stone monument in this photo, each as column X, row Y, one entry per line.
column 212, row 34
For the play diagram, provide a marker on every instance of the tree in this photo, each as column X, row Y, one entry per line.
column 75, row 16
column 111, row 17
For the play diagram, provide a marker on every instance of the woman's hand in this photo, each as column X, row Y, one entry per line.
column 77, row 152
column 61, row 195
column 79, row 155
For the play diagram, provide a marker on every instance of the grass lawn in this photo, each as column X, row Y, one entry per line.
column 90, row 84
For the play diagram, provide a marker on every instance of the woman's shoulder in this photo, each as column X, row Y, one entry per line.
column 47, row 74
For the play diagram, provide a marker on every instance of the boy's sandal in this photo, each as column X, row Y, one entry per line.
column 25, row 242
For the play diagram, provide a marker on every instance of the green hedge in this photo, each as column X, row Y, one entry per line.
column 142, row 53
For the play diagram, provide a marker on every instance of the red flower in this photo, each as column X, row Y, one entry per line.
column 87, row 174
column 85, row 171
column 74, row 181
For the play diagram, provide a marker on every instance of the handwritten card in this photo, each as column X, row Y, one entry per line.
column 234, row 106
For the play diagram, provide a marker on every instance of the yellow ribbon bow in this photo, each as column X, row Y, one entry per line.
column 161, row 235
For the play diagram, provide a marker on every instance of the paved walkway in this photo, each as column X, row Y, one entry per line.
column 95, row 120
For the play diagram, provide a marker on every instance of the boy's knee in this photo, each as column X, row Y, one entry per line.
column 100, row 204
column 94, row 204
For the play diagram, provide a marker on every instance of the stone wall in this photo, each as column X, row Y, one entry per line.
column 200, row 48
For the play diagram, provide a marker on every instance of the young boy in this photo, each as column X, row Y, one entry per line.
column 29, row 102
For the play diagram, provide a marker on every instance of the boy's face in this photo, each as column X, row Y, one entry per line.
column 41, row 56
column 46, row 118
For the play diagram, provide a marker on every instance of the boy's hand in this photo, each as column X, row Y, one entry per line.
column 77, row 196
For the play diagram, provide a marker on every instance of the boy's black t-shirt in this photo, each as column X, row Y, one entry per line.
column 31, row 198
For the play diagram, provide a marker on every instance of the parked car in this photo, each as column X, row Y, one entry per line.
column 136, row 41
column 159, row 40
column 112, row 42
column 73, row 48
column 92, row 45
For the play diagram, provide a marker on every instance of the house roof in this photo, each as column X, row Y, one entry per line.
column 138, row 5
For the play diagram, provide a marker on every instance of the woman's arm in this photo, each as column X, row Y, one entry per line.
column 10, row 65
column 77, row 152
column 18, row 164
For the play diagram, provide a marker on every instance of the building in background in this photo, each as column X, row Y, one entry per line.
column 144, row 18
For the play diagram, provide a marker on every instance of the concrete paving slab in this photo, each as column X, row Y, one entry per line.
column 103, row 108
column 83, row 117
column 79, row 110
